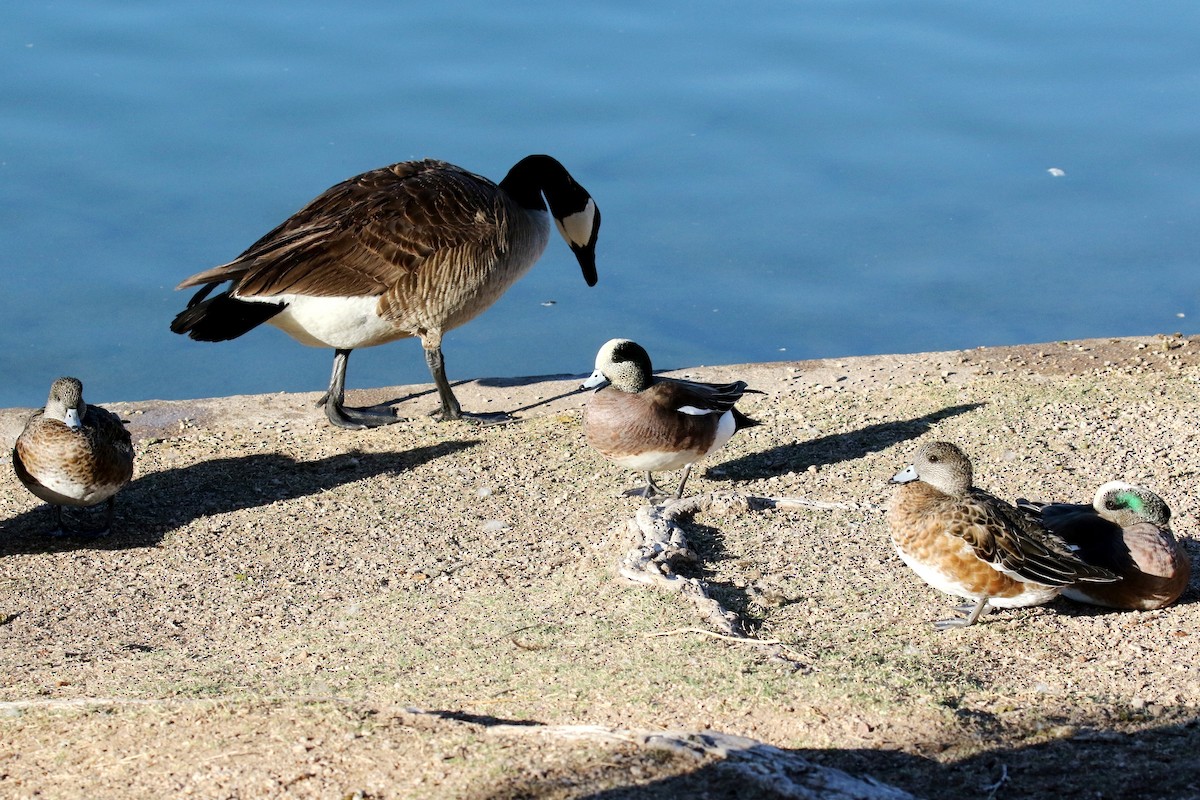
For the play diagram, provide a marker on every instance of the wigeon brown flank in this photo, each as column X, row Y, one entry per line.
column 73, row 454
column 414, row 249
column 650, row 424
column 1126, row 530
column 966, row 542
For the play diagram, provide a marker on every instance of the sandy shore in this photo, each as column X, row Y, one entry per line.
column 434, row 610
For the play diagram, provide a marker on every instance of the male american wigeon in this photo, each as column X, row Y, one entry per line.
column 969, row 543
column 414, row 249
column 73, row 454
column 1126, row 529
column 648, row 423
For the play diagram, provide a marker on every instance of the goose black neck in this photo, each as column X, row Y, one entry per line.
column 533, row 176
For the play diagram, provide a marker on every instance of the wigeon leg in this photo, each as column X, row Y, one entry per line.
column 650, row 491
column 687, row 471
column 108, row 517
column 56, row 514
column 961, row 622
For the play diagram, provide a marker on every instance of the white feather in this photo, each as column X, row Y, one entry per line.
column 725, row 430
column 696, row 412
column 339, row 322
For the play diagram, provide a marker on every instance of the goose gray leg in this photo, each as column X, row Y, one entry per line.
column 334, row 398
column 450, row 408
column 437, row 368
column 960, row 622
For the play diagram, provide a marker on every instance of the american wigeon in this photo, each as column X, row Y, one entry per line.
column 650, row 424
column 73, row 454
column 1127, row 530
column 966, row 542
column 414, row 249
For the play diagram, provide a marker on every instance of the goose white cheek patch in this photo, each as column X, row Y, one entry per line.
column 577, row 228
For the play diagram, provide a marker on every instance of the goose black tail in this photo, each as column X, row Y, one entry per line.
column 221, row 318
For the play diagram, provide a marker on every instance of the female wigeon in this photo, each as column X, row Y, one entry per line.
column 651, row 424
column 1126, row 530
column 73, row 454
column 414, row 249
column 966, row 542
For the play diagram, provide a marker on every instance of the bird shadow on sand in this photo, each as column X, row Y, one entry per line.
column 155, row 504
column 835, row 448
column 499, row 383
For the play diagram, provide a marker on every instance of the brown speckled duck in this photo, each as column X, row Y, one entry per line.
column 73, row 454
column 966, row 542
column 414, row 249
column 648, row 423
column 1127, row 530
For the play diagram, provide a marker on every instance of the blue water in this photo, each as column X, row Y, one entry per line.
column 778, row 180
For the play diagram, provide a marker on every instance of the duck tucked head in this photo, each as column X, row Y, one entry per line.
column 623, row 363
column 65, row 403
column 1127, row 505
column 941, row 465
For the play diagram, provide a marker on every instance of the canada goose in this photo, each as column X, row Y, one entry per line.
column 73, row 454
column 414, row 249
column 1126, row 529
column 966, row 542
column 649, row 423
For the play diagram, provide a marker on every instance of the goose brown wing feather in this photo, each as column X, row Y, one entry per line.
column 361, row 235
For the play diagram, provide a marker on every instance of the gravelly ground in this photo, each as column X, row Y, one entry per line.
column 278, row 596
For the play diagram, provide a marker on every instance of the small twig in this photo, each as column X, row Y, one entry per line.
column 775, row 643
column 527, row 645
column 232, row 754
column 713, row 634
column 992, row 788
column 134, row 757
column 800, row 502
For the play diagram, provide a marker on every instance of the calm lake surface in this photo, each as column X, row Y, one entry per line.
column 778, row 180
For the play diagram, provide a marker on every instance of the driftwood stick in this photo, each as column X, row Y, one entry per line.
column 660, row 542
column 783, row 773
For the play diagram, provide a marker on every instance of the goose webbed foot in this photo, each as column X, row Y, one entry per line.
column 480, row 420
column 335, row 396
column 357, row 418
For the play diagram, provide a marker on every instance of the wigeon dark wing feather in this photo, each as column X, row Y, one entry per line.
column 1015, row 540
column 715, row 397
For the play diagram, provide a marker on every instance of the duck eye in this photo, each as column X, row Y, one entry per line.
column 1112, row 504
column 933, row 459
